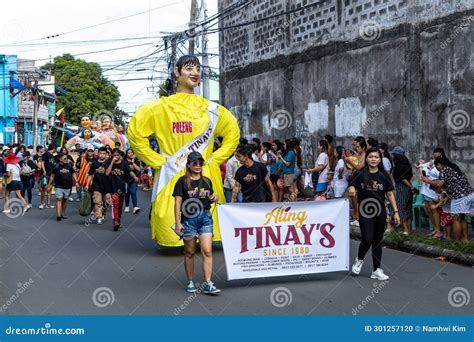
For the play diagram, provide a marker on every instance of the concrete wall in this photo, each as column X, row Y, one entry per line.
column 409, row 82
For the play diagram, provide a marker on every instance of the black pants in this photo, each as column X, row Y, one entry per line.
column 27, row 184
column 371, row 231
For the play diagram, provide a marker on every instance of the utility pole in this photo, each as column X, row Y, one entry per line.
column 35, row 115
column 173, row 63
column 205, row 58
column 192, row 25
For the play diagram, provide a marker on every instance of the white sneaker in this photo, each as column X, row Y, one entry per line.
column 127, row 210
column 378, row 274
column 136, row 210
column 357, row 266
column 71, row 199
column 6, row 211
column 41, row 206
column 25, row 209
column 99, row 221
column 30, row 206
column 51, row 206
column 355, row 223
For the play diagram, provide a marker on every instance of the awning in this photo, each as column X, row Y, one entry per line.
column 15, row 84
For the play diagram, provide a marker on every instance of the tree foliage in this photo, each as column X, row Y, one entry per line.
column 88, row 91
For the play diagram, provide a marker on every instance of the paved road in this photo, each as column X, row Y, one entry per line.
column 53, row 268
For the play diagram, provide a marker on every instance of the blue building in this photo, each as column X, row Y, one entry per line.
column 8, row 98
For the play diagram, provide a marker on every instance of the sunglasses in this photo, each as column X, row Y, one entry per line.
column 197, row 163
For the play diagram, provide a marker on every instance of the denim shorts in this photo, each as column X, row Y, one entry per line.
column 197, row 226
column 62, row 193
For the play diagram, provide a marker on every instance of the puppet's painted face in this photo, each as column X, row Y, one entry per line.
column 87, row 134
column 106, row 123
column 120, row 129
column 86, row 122
column 99, row 126
column 190, row 76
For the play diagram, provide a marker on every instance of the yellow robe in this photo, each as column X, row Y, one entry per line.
column 157, row 117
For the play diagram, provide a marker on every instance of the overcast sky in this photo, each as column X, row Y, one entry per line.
column 25, row 22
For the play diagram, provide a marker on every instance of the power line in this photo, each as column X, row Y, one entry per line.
column 99, row 24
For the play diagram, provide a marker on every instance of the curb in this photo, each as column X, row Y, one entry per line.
column 423, row 249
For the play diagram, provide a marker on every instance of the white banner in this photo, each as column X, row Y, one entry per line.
column 277, row 239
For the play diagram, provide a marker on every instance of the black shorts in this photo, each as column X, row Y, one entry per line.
column 14, row 186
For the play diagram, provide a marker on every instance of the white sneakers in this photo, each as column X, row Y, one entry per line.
column 357, row 266
column 355, row 223
column 378, row 274
column 99, row 221
column 136, row 210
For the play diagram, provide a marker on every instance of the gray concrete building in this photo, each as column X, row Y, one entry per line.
column 400, row 71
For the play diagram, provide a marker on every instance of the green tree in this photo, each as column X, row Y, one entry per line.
column 88, row 91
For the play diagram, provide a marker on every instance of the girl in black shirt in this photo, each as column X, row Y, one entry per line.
column 193, row 195
column 372, row 184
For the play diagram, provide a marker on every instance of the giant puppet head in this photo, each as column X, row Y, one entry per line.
column 86, row 122
column 188, row 71
column 106, row 123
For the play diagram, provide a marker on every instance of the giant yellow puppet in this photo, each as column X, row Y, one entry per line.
column 181, row 123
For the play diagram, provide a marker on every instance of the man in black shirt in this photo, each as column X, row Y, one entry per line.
column 250, row 178
column 47, row 166
column 64, row 178
column 119, row 172
column 101, row 185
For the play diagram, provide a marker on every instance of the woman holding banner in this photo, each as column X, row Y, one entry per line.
column 372, row 184
column 182, row 123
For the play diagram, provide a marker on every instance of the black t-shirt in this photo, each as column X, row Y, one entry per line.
column 251, row 180
column 200, row 189
column 130, row 164
column 100, row 182
column 119, row 177
column 379, row 183
column 48, row 160
column 63, row 176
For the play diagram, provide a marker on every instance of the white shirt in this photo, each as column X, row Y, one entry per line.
column 255, row 157
column 433, row 174
column 15, row 170
column 345, row 174
column 387, row 166
column 323, row 159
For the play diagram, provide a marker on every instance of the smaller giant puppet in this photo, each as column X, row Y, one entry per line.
column 110, row 131
column 88, row 139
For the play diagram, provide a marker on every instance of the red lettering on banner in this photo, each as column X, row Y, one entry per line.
column 325, row 233
column 293, row 236
column 242, row 232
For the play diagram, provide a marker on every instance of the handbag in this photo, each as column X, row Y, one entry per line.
column 7, row 179
column 85, row 207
